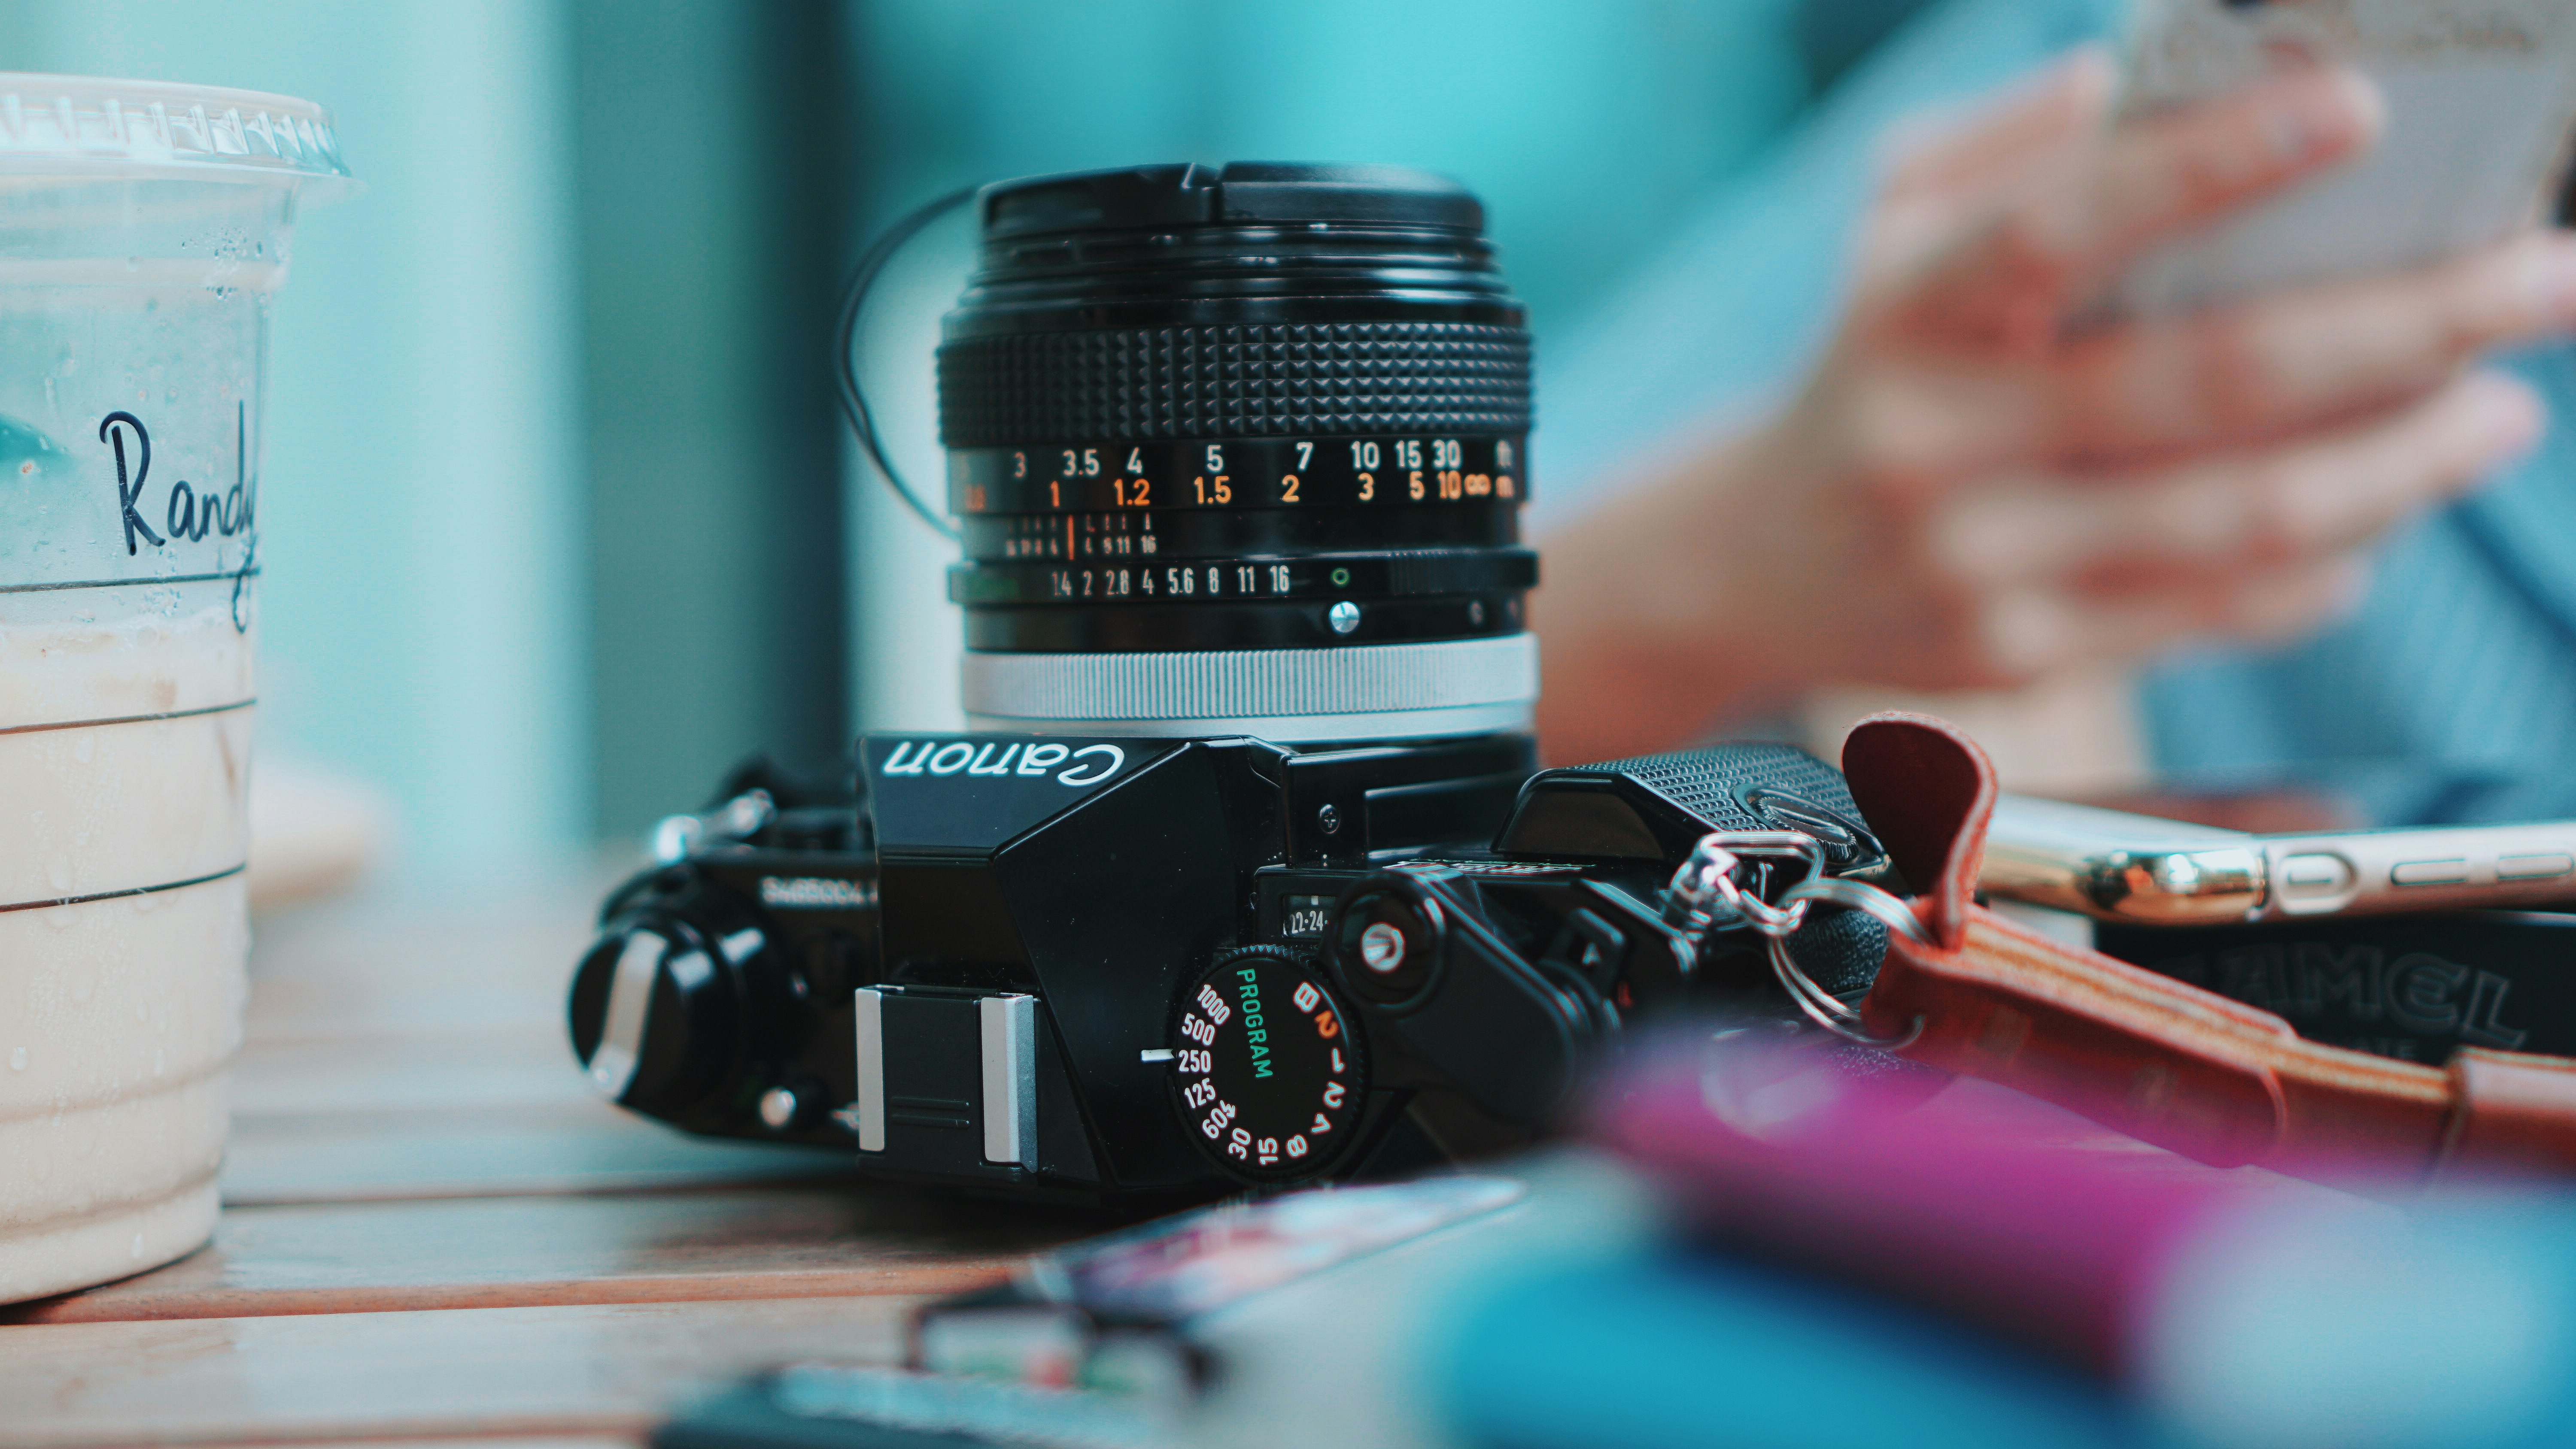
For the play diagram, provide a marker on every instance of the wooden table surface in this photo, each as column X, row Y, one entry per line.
column 432, row 1233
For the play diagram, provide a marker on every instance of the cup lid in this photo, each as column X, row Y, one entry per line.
column 56, row 125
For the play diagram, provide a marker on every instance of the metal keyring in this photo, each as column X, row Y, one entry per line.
column 1861, row 896
column 1706, row 891
column 1821, row 1006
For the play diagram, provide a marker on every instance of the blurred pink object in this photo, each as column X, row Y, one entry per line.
column 1978, row 1202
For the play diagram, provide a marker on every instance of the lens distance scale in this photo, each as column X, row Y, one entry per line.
column 1239, row 473
column 1266, row 1076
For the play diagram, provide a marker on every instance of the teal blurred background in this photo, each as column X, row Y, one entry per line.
column 560, row 521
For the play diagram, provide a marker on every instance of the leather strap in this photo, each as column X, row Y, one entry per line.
column 2512, row 1108
column 2159, row 1059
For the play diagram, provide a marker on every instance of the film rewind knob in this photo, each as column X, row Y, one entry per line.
column 654, row 1018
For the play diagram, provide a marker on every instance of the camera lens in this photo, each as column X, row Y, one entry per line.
column 1240, row 451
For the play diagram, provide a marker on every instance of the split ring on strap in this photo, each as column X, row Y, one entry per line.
column 1821, row 1006
column 1705, row 892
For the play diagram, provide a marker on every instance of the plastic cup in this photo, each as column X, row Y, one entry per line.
column 143, row 237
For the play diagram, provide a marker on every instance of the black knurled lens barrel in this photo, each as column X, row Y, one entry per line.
column 1273, row 407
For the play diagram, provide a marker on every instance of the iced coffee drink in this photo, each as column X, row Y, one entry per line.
column 143, row 233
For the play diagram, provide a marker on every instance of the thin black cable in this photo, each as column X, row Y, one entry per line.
column 854, row 403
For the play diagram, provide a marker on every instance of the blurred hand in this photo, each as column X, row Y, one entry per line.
column 1981, row 485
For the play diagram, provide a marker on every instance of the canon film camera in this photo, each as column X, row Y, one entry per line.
column 1245, row 875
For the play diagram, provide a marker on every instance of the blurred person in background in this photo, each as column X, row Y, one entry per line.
column 1852, row 431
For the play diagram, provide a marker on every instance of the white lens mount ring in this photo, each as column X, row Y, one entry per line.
column 1435, row 690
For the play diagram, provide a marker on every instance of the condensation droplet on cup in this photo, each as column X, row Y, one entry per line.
column 58, row 871
column 84, row 745
column 137, row 1250
column 18, row 1060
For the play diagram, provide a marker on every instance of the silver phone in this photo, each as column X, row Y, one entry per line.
column 2481, row 98
column 2116, row 866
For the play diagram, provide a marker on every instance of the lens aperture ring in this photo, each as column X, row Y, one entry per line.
column 1234, row 381
column 1328, row 577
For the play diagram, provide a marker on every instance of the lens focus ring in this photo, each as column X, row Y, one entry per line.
column 1234, row 381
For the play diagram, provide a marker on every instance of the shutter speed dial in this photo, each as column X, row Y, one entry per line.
column 1266, row 1072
